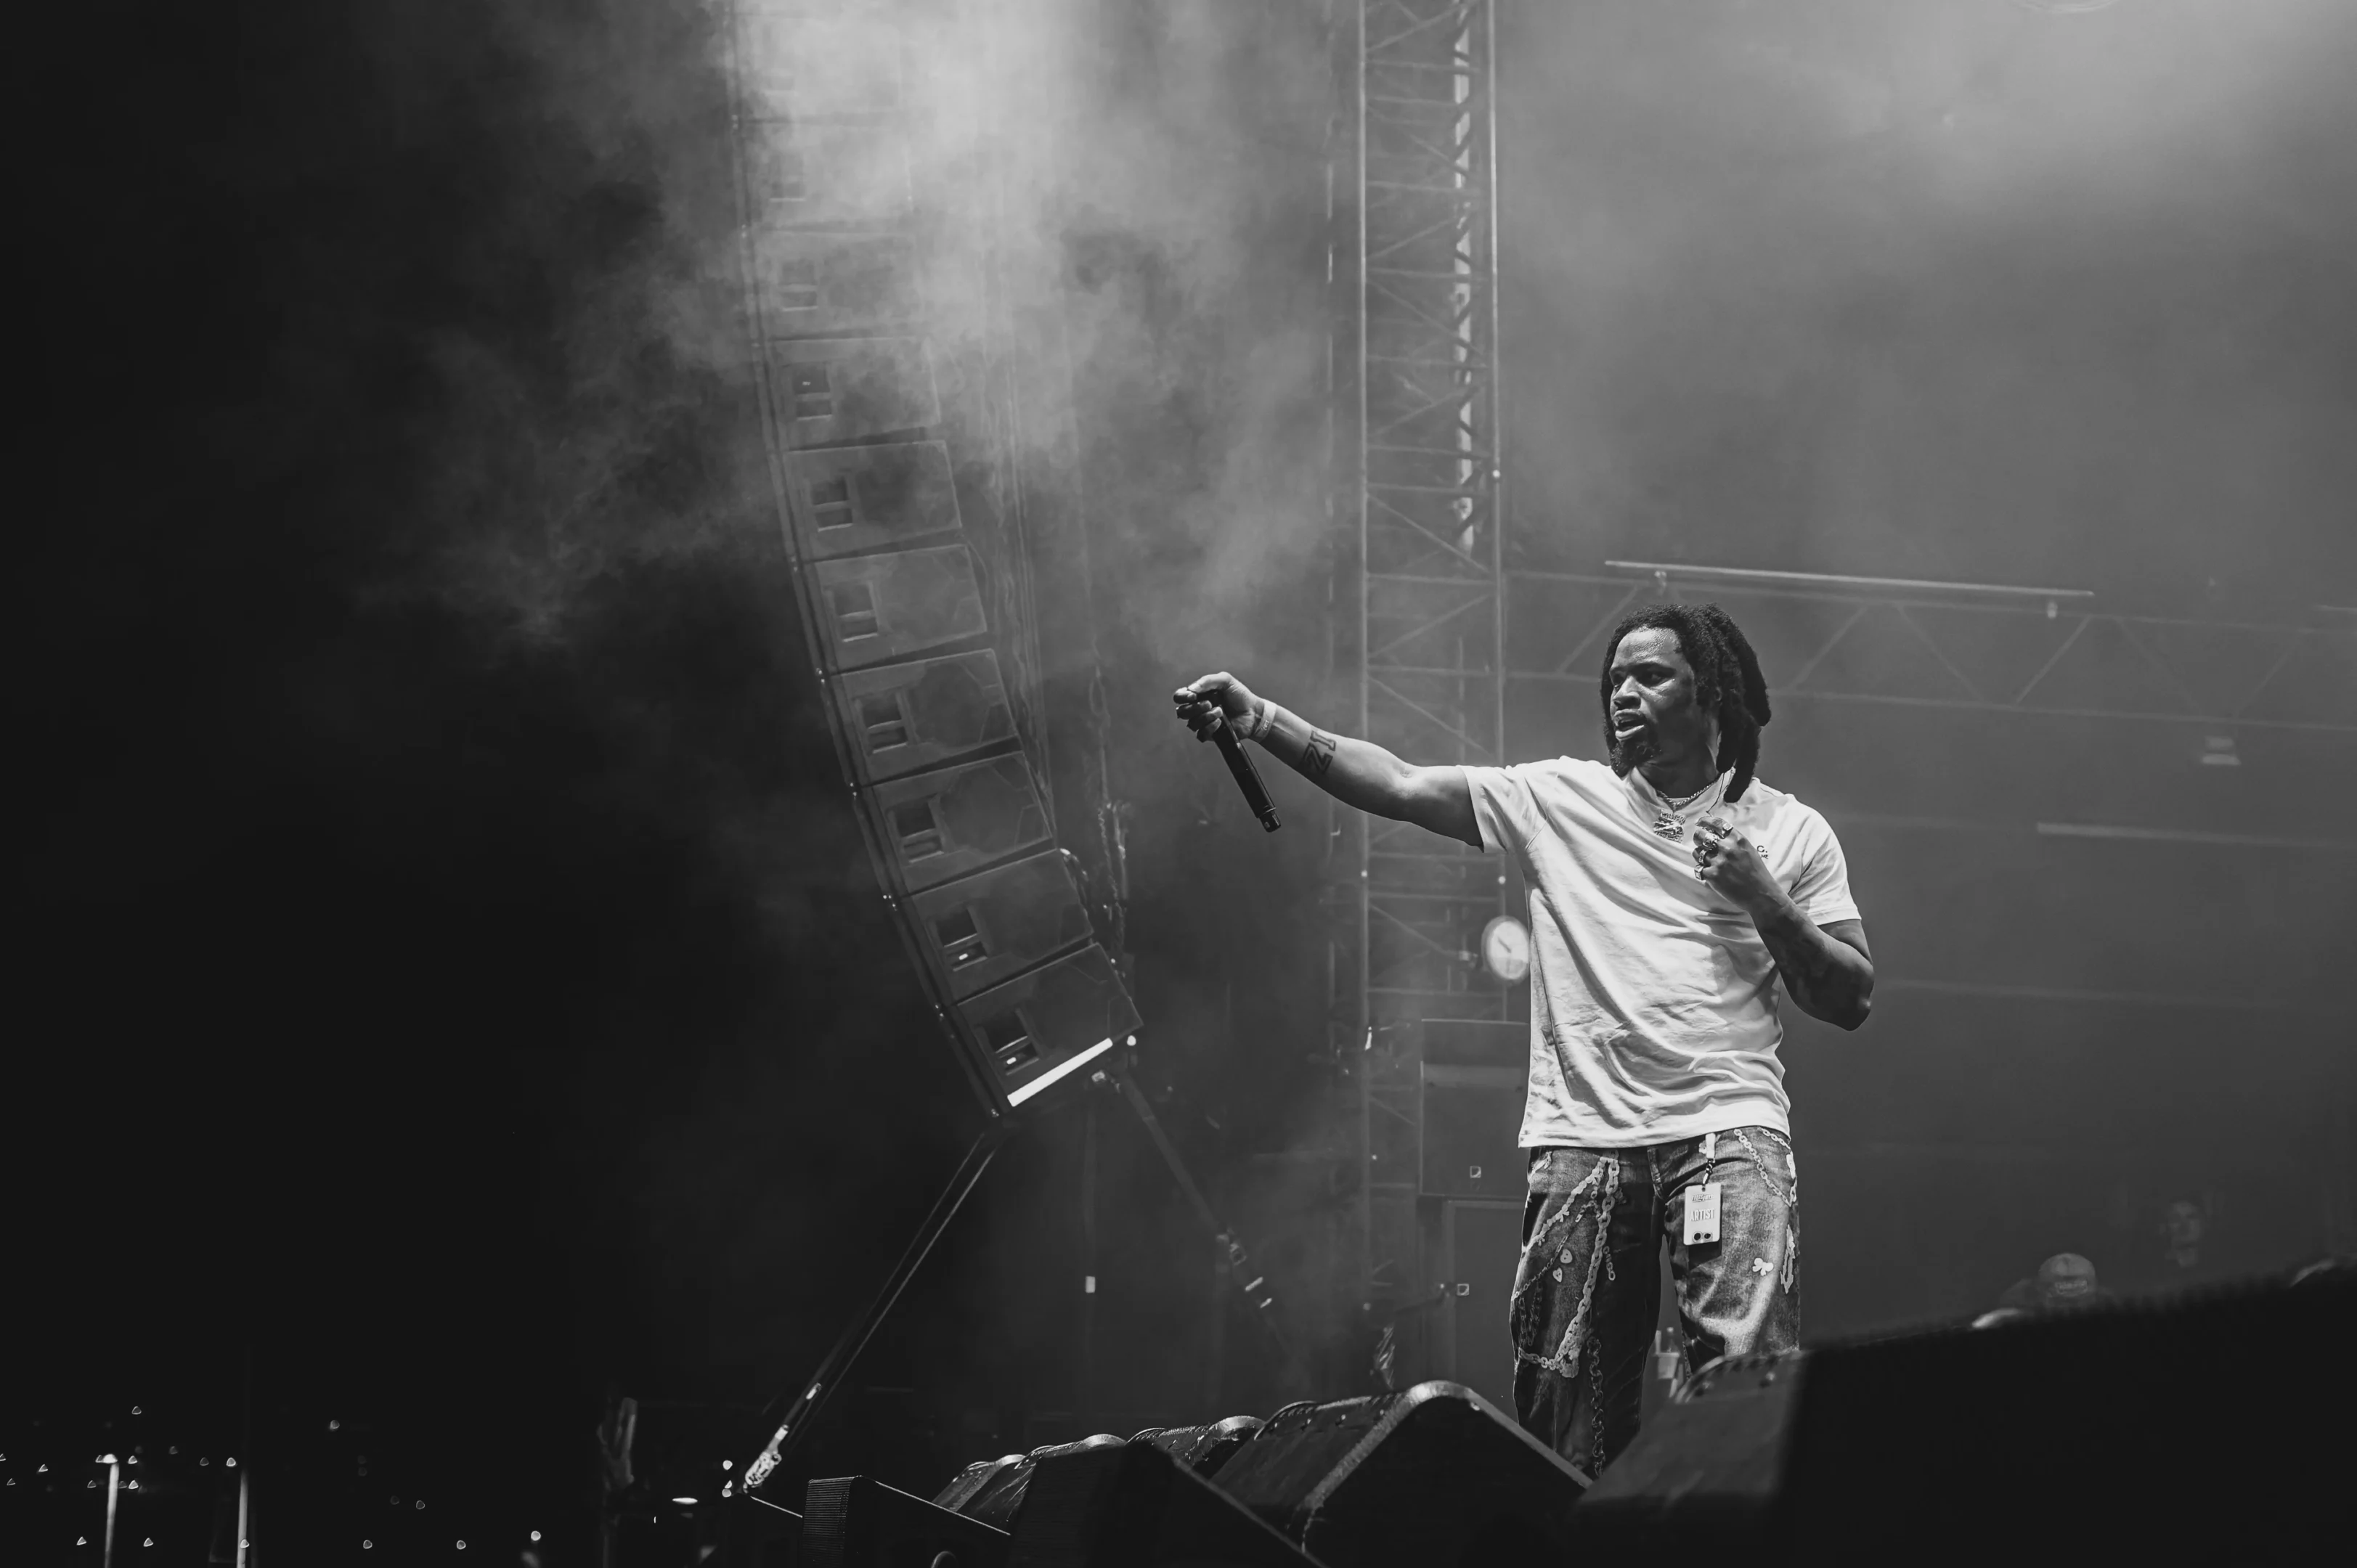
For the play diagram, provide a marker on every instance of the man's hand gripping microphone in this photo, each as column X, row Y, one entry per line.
column 1204, row 707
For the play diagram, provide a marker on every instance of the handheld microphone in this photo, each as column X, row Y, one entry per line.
column 1248, row 776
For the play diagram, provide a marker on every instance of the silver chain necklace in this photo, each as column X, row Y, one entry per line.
column 1668, row 823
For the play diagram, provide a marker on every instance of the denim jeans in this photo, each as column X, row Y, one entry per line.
column 1589, row 1287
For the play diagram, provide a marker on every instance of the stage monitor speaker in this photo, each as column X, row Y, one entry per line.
column 993, row 1489
column 1476, row 1042
column 969, row 1489
column 2201, row 1429
column 1130, row 1504
column 1203, row 1449
column 1471, row 1119
column 1710, row 1463
column 857, row 1521
column 1434, row 1476
column 1480, row 1245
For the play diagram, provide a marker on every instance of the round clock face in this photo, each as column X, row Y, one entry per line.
column 1506, row 950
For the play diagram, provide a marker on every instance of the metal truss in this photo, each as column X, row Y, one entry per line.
column 1419, row 608
column 2032, row 651
column 1418, row 594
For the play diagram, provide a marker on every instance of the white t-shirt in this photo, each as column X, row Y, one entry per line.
column 1653, row 998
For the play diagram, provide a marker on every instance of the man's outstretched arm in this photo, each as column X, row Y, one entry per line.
column 1355, row 773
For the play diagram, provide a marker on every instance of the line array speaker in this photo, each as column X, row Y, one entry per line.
column 862, row 262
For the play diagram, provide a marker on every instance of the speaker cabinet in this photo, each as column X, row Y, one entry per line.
column 831, row 281
column 1471, row 1119
column 852, row 170
column 2192, row 1430
column 853, row 289
column 1130, row 1504
column 993, row 1491
column 953, row 821
column 802, row 62
column 1476, row 1042
column 1203, row 1449
column 1040, row 1027
column 845, row 389
column 902, row 602
column 989, row 928
column 907, row 718
column 848, row 500
column 1480, row 1245
column 1434, row 1474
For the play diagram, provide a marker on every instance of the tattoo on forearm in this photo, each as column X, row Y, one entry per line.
column 1815, row 965
column 1319, row 754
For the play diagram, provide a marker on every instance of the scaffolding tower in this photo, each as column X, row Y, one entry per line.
column 1418, row 601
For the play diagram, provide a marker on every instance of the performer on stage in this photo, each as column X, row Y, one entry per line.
column 1668, row 893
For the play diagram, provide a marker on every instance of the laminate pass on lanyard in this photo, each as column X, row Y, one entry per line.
column 1702, row 1199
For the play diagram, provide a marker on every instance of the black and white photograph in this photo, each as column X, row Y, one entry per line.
column 1123, row 784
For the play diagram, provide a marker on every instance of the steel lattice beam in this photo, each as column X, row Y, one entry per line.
column 1419, row 582
column 1920, row 646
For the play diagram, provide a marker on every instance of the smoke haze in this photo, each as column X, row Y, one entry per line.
column 1968, row 290
column 457, row 973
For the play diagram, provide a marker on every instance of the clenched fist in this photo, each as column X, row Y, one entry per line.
column 1732, row 864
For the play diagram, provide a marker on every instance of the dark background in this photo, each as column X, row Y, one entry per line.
column 456, row 991
column 453, row 986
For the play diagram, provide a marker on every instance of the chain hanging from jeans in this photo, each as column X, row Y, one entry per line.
column 1595, row 1414
column 1606, row 1200
column 1768, row 1173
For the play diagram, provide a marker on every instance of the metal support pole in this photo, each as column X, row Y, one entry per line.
column 1252, row 1283
column 1084, row 1401
column 804, row 1410
column 114, row 1485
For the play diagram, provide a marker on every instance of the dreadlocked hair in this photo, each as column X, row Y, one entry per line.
column 1727, row 680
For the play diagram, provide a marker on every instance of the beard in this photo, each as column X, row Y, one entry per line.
column 1633, row 749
